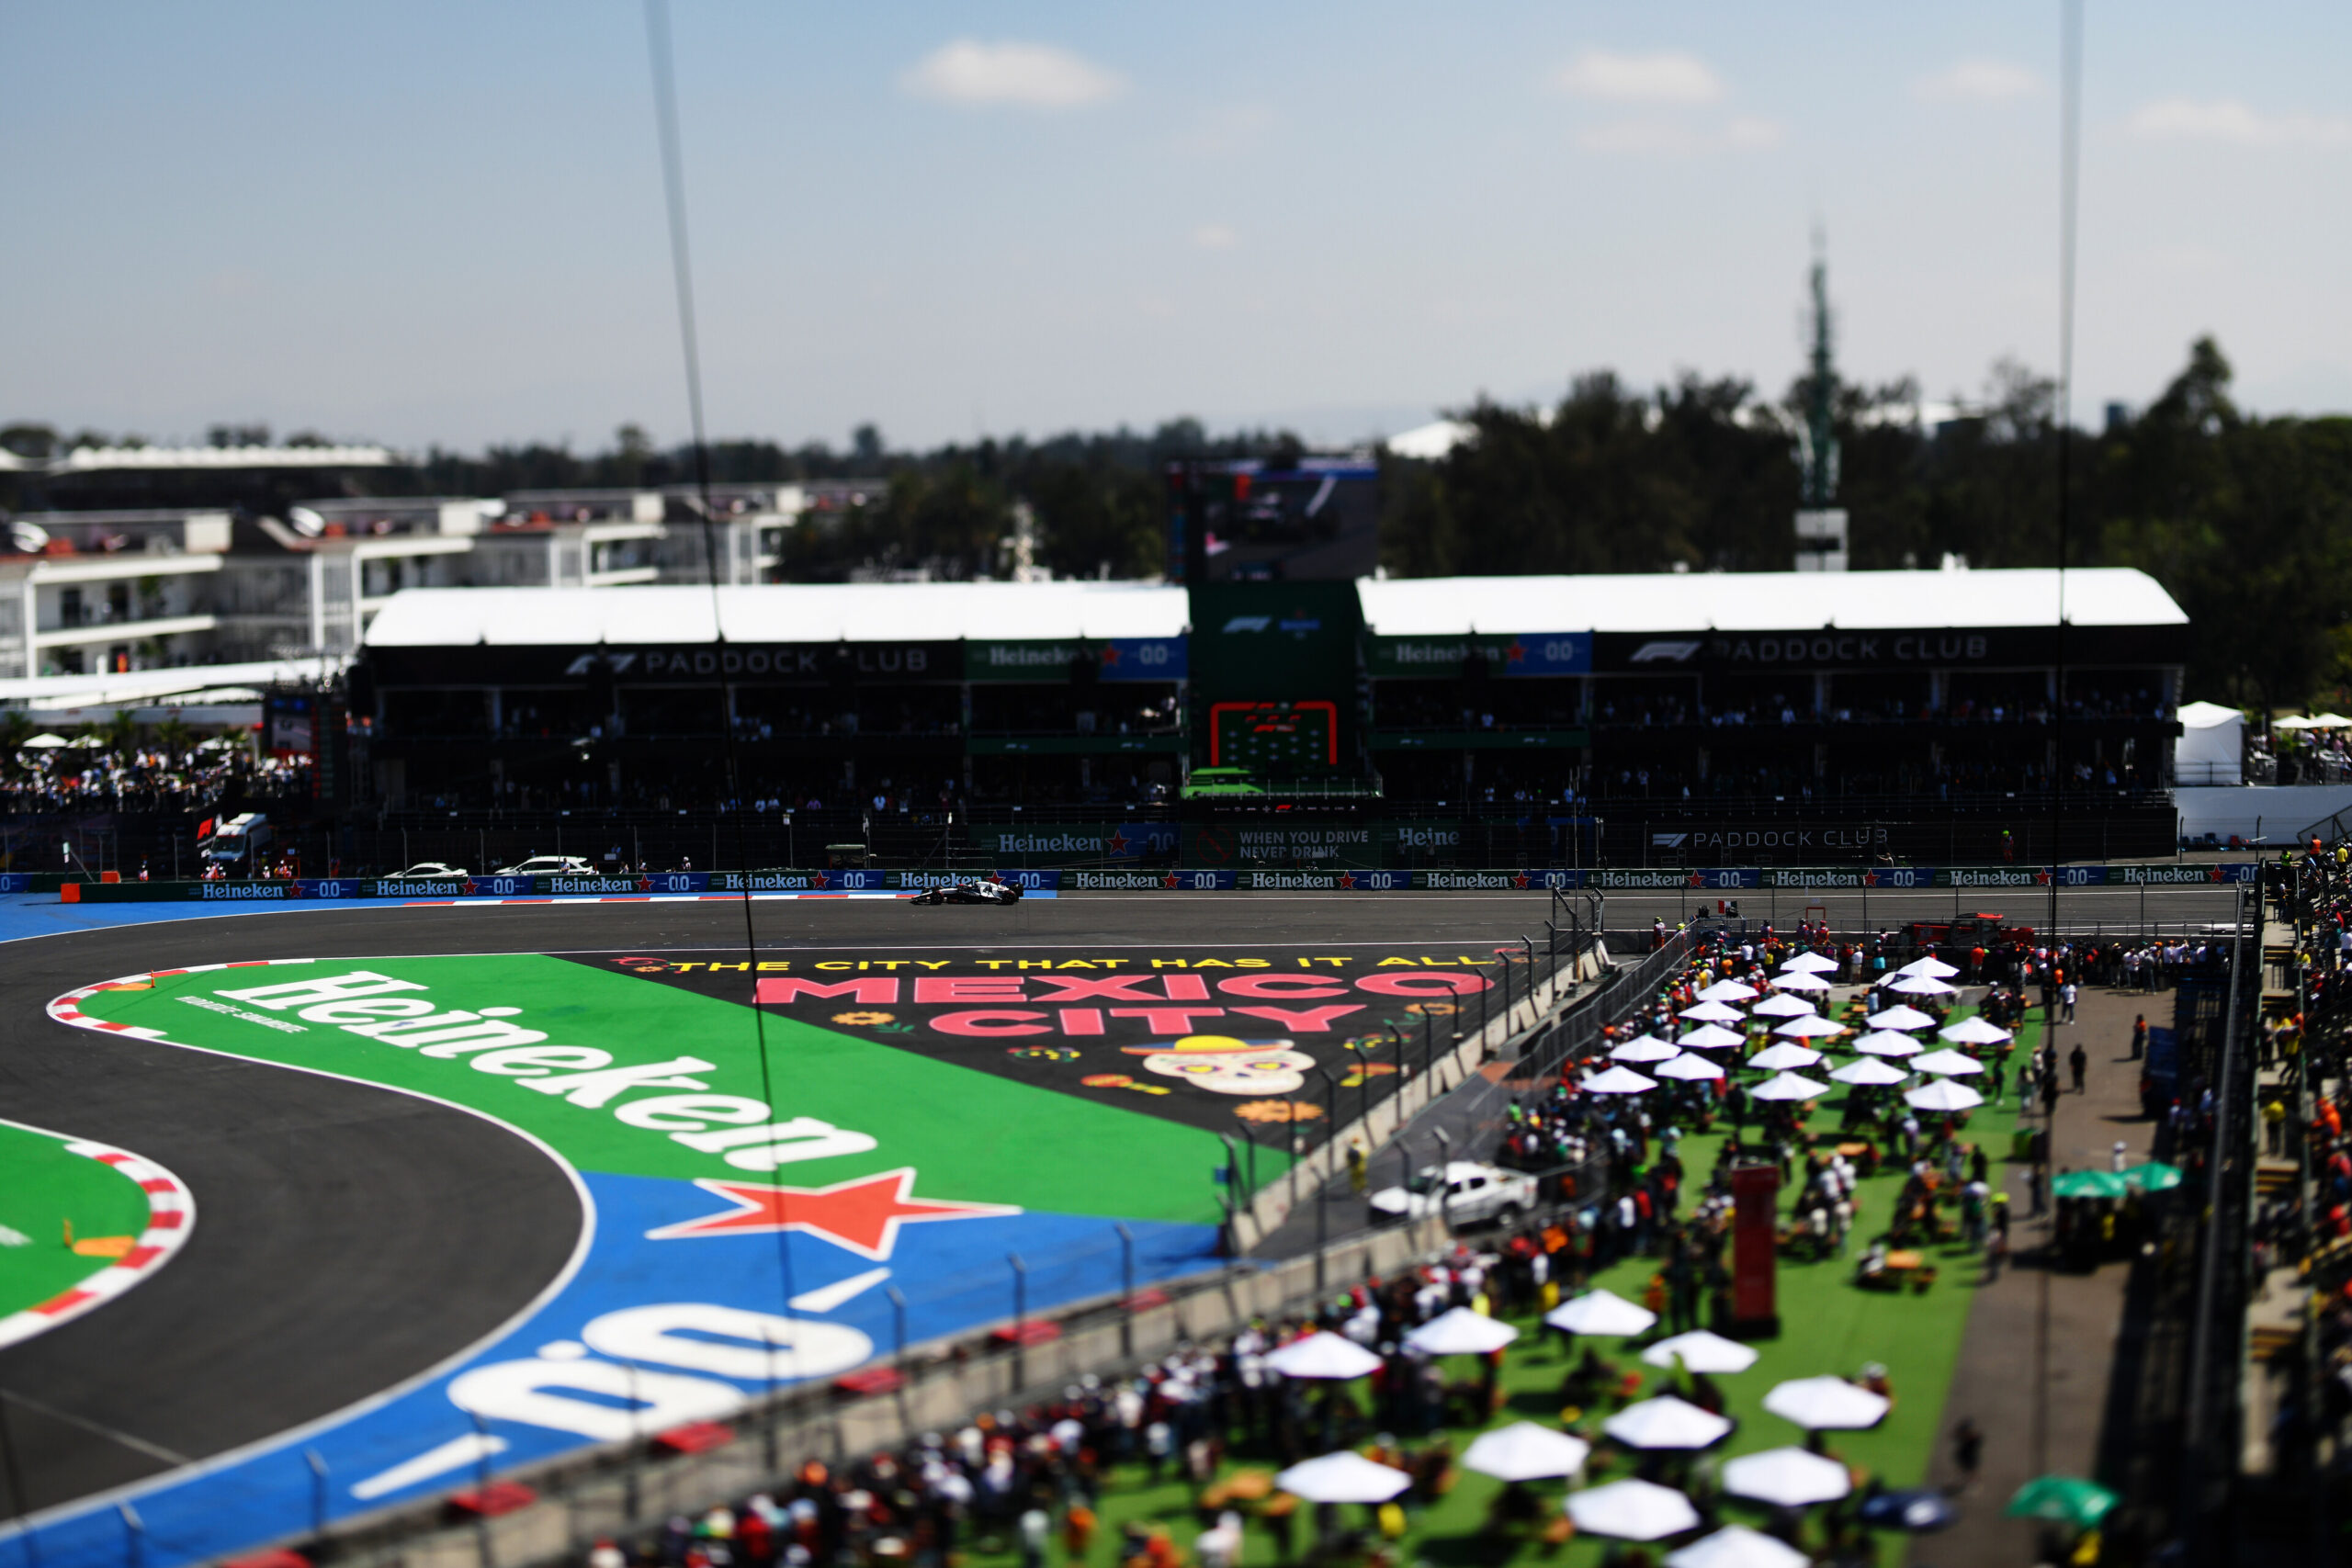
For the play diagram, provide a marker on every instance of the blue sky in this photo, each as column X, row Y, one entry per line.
column 435, row 222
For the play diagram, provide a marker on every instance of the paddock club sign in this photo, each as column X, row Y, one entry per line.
column 1927, row 647
column 680, row 664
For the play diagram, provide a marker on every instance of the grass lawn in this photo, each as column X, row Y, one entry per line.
column 1827, row 1326
column 42, row 1186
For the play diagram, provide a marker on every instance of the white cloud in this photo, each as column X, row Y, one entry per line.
column 1030, row 76
column 1215, row 237
column 1977, row 81
column 1665, row 77
column 2227, row 120
column 1750, row 131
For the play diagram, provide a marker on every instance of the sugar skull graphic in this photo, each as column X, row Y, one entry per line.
column 1223, row 1064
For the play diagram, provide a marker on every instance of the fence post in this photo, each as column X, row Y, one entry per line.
column 1128, row 1287
column 1020, row 1322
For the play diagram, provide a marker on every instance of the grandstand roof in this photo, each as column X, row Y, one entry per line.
column 855, row 612
column 1764, row 602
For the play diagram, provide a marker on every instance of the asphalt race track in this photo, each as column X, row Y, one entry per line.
column 351, row 1238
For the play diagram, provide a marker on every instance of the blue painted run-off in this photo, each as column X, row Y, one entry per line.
column 664, row 1319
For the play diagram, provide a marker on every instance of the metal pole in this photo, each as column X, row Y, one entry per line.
column 1322, row 1189
column 898, row 1328
column 318, row 1464
column 1128, row 1287
column 1444, row 1187
column 482, row 1470
column 1020, row 1320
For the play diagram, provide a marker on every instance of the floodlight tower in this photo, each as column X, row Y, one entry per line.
column 1821, row 524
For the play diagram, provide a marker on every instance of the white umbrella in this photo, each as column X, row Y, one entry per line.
column 1665, row 1422
column 1726, row 991
column 1343, row 1477
column 1782, row 1005
column 1810, row 964
column 1632, row 1510
column 1736, row 1546
column 1712, row 1037
column 1644, row 1048
column 1821, row 1404
column 1811, row 1026
column 1702, row 1352
column 1900, row 1016
column 1934, row 969
column 1323, row 1356
column 1974, row 1031
column 1943, row 1095
column 1886, row 1042
column 1787, row 1478
column 1525, row 1451
column 1921, row 986
column 45, row 743
column 1800, row 981
column 1781, row 1056
column 1618, row 1080
column 1868, row 1070
column 1461, row 1332
column 1602, row 1312
column 1690, row 1064
column 1789, row 1086
column 1712, row 1012
column 1947, row 1062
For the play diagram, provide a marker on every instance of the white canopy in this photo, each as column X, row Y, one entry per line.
column 1789, row 1086
column 1824, row 1404
column 1525, row 1451
column 1943, row 1095
column 1727, row 991
column 1782, row 1057
column 1325, row 1356
column 1922, row 986
column 45, row 743
column 1974, row 1031
column 1800, row 981
column 1934, row 969
column 2211, row 747
column 1701, row 1351
column 1343, row 1477
column 1602, row 1312
column 1781, row 1005
column 1736, row 1546
column 1886, row 1042
column 1665, row 1422
column 1787, row 1478
column 1644, row 1048
column 1811, row 1026
column 1712, row 1037
column 1868, row 1070
column 1618, row 1080
column 1461, row 1332
column 1632, row 1510
column 1811, row 963
column 1900, row 1015
column 1712, row 1012
column 1690, row 1064
column 1947, row 1062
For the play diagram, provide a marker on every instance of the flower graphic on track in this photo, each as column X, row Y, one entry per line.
column 1278, row 1110
column 1106, row 1081
column 1358, row 1072
column 1223, row 1064
column 1042, row 1053
column 1434, row 1010
column 868, row 1019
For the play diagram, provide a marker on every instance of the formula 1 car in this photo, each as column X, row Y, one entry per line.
column 983, row 890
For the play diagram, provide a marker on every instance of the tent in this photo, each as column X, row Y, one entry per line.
column 2212, row 741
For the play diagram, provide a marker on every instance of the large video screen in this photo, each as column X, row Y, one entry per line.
column 1317, row 519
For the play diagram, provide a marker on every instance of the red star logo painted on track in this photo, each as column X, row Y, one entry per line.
column 862, row 1215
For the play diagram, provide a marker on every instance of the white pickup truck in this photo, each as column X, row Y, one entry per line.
column 1464, row 1191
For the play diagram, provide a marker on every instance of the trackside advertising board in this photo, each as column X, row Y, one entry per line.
column 1337, row 872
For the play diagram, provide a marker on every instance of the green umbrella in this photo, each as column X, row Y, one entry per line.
column 2153, row 1176
column 2088, row 1184
column 2066, row 1498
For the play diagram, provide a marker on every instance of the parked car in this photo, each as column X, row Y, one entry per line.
column 548, row 866
column 1466, row 1192
column 429, row 871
